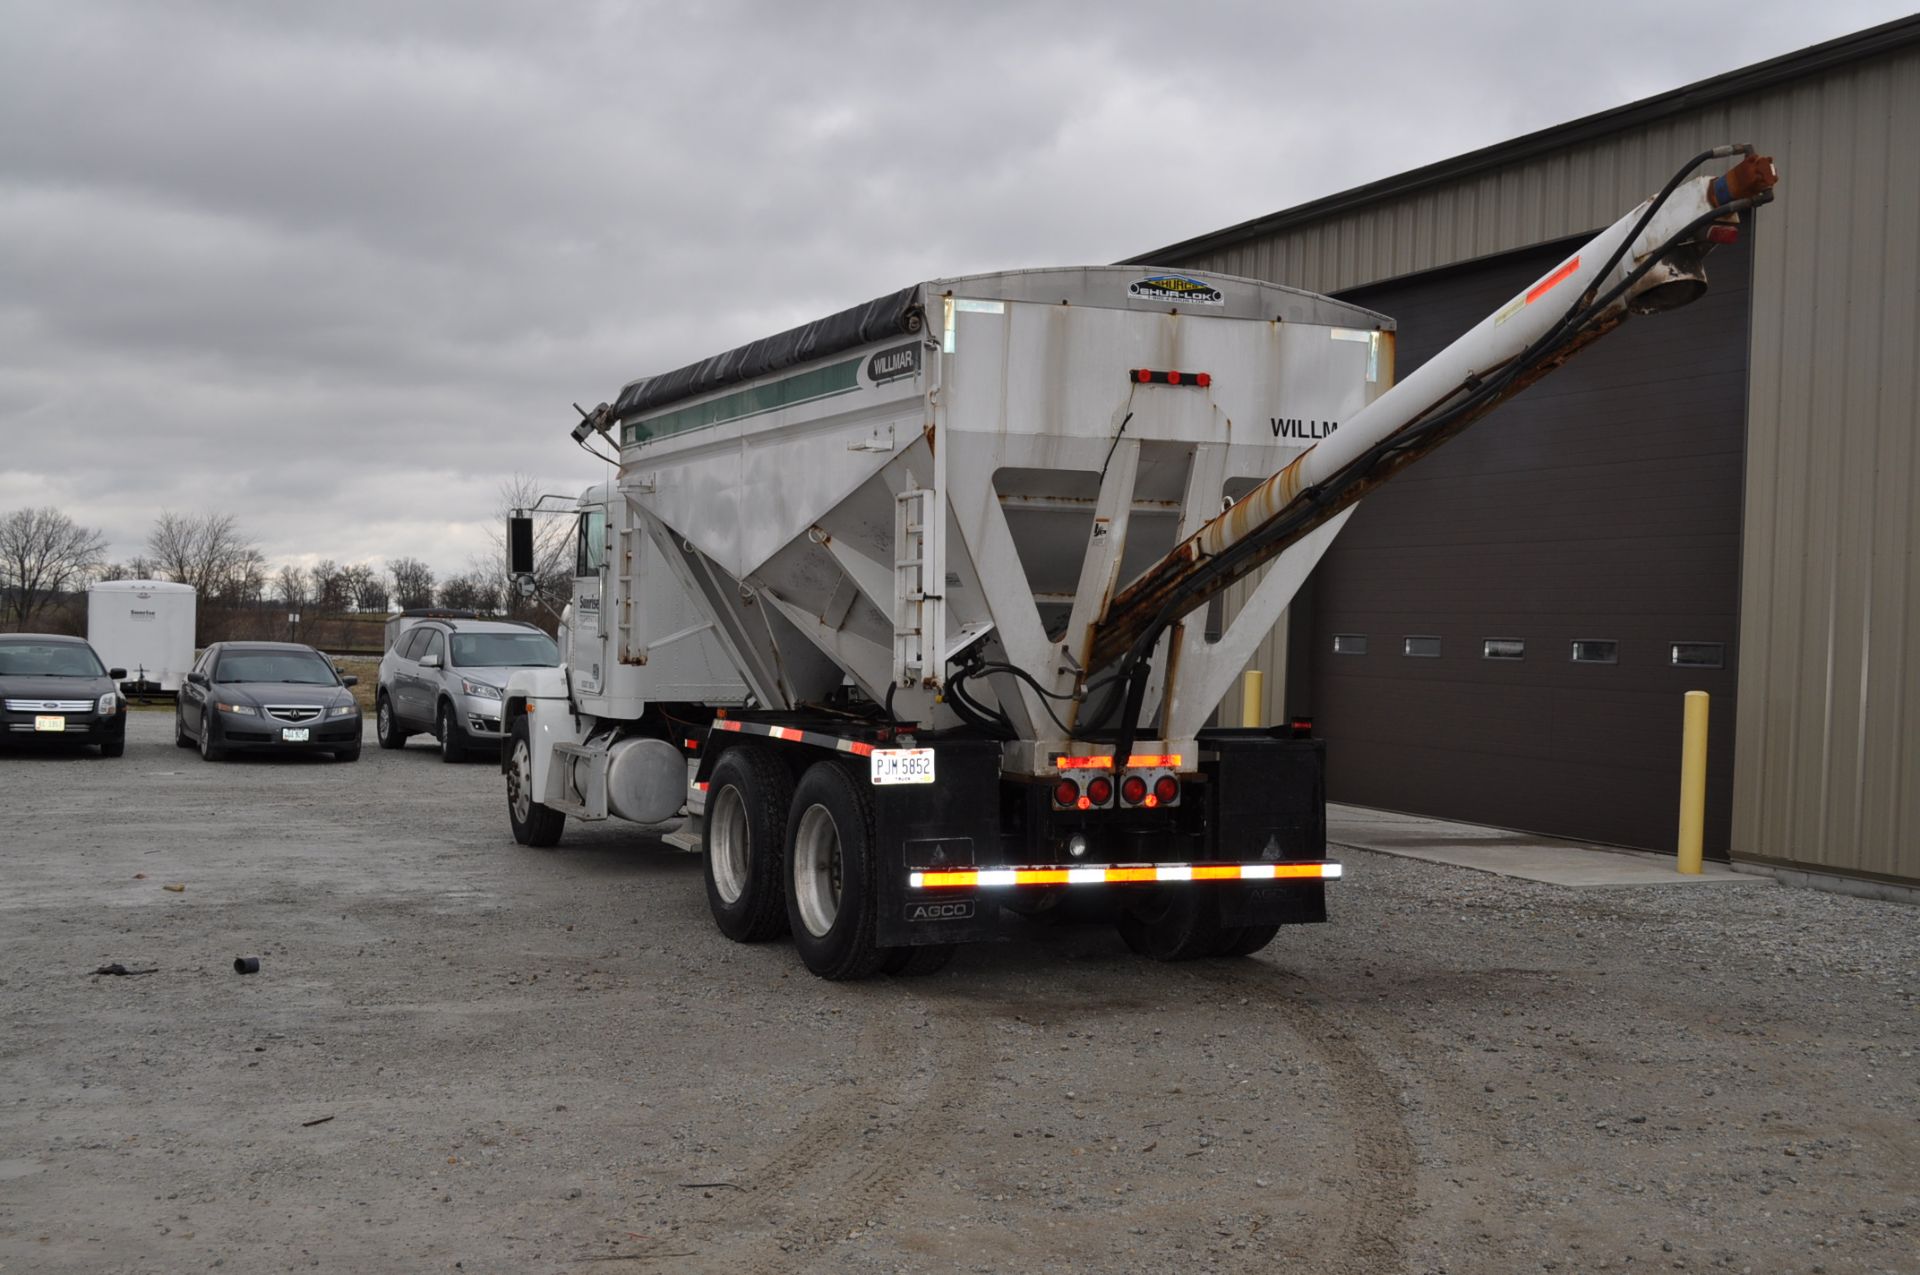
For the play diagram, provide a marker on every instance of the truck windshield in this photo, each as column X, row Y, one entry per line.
column 48, row 659
column 296, row 667
column 504, row 650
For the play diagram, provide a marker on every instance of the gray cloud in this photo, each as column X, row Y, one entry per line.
column 350, row 262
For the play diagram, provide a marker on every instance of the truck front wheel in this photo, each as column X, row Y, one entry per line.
column 831, row 863
column 742, row 835
column 533, row 823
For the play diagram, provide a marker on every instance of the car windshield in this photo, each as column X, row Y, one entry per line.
column 48, row 659
column 505, row 650
column 298, row 667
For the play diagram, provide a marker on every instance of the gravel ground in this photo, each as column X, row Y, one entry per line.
column 536, row 1061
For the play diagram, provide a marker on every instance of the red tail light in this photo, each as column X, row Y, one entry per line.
column 1133, row 790
column 1066, row 792
column 1100, row 790
column 1166, row 788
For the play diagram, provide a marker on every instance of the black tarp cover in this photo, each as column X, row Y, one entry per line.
column 891, row 315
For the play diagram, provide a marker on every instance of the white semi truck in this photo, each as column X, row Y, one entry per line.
column 905, row 608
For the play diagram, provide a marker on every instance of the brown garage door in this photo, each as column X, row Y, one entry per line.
column 1602, row 506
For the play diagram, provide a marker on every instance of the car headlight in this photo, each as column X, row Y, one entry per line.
column 109, row 704
column 479, row 690
column 244, row 710
column 343, row 710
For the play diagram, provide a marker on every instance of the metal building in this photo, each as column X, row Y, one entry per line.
column 1722, row 499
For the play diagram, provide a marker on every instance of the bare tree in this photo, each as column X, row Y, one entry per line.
column 43, row 553
column 291, row 587
column 369, row 589
column 331, row 595
column 412, row 583
column 209, row 552
column 139, row 567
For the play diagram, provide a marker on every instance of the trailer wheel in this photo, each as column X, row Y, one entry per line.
column 917, row 962
column 830, row 871
column 1171, row 924
column 1245, row 940
column 742, row 839
column 534, row 824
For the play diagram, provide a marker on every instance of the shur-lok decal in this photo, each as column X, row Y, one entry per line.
column 1176, row 287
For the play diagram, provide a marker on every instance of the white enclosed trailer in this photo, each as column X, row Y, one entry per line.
column 144, row 627
column 915, row 593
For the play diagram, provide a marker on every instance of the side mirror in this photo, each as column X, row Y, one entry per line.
column 349, row 679
column 431, row 661
column 116, row 673
column 198, row 679
column 519, row 545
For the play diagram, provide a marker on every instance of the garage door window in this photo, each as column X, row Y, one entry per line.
column 1349, row 644
column 1596, row 651
column 1698, row 655
column 1503, row 649
column 1423, row 647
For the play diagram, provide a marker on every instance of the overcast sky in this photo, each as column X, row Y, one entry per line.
column 339, row 268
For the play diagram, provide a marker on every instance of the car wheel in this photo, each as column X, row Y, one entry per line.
column 209, row 751
column 114, row 747
column 386, row 726
column 533, row 823
column 180, row 737
column 831, row 874
column 742, row 836
column 453, row 740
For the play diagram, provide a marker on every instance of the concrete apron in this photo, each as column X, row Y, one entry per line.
column 1529, row 856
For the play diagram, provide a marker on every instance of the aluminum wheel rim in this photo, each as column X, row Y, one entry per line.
column 816, row 870
column 727, row 844
column 520, row 781
column 386, row 719
column 206, row 736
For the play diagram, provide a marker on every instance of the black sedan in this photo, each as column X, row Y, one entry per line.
column 267, row 697
column 54, row 690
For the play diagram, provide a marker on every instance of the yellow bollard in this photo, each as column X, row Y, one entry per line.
column 1253, row 698
column 1693, row 783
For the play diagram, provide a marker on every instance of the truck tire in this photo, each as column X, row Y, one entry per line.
column 533, row 824
column 1172, row 923
column 916, row 962
column 831, row 866
column 386, row 726
column 1245, row 940
column 742, row 843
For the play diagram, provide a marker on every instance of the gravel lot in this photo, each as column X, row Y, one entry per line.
column 536, row 1061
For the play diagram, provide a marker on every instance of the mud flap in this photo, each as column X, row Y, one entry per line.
column 953, row 822
column 1268, row 802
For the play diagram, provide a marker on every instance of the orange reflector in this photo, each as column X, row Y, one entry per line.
column 1151, row 801
column 1152, row 761
column 1083, row 763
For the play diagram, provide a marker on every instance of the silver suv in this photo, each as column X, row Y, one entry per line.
column 445, row 676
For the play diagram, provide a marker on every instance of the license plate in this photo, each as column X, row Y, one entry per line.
column 57, row 723
column 902, row 765
column 292, row 736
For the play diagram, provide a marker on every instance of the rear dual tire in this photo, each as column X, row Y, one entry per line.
column 1174, row 923
column 743, row 836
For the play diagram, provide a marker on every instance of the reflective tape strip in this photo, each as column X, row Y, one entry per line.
column 1128, row 874
column 857, row 748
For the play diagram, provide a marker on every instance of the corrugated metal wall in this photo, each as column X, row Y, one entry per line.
column 1827, row 755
